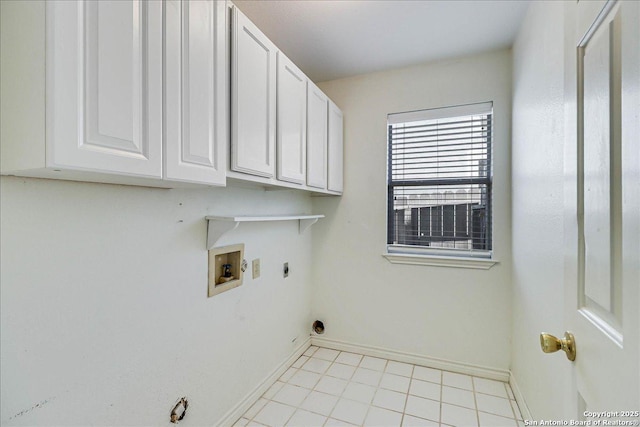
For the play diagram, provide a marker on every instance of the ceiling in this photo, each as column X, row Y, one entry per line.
column 330, row 39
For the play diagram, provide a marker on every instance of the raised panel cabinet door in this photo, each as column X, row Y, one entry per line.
column 316, row 137
column 195, row 97
column 104, row 86
column 253, row 98
column 335, row 155
column 291, row 131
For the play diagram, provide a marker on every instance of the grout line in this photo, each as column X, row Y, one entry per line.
column 441, row 387
column 384, row 369
column 341, row 393
column 367, row 413
column 292, row 414
column 406, row 400
column 492, row 395
column 513, row 411
column 475, row 400
column 514, row 404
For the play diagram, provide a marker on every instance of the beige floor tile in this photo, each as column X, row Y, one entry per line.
column 326, row 387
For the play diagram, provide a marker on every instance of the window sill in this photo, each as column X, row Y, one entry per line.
column 440, row 261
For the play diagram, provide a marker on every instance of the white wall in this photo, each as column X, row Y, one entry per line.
column 104, row 311
column 537, row 206
column 449, row 313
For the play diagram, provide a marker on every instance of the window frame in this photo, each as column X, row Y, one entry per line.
column 425, row 255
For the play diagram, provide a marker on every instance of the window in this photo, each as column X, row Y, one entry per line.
column 439, row 181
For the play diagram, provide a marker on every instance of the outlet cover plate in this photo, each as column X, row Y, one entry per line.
column 255, row 268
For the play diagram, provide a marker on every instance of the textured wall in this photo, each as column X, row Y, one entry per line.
column 105, row 316
column 451, row 313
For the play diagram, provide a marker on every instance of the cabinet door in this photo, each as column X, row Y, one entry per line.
column 195, row 80
column 335, row 163
column 253, row 99
column 291, row 147
column 316, row 137
column 104, row 86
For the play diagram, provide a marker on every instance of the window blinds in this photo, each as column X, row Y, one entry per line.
column 439, row 180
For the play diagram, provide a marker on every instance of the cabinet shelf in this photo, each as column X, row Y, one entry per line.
column 219, row 225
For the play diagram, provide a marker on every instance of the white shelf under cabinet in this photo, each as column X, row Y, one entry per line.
column 219, row 225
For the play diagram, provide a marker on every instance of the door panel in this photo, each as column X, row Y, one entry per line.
column 335, row 149
column 599, row 64
column 316, row 137
column 253, row 99
column 110, row 112
column 292, row 121
column 195, row 82
column 104, row 87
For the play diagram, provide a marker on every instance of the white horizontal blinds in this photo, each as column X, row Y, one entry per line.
column 439, row 179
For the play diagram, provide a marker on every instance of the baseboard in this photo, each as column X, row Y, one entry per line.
column 524, row 409
column 416, row 359
column 237, row 411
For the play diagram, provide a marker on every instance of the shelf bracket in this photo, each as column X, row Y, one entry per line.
column 306, row 223
column 217, row 228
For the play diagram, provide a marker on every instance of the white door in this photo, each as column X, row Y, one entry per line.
column 195, row 91
column 335, row 149
column 291, row 147
column 602, row 198
column 104, row 86
column 253, row 98
column 316, row 137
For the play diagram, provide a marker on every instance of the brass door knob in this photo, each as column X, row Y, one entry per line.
column 551, row 344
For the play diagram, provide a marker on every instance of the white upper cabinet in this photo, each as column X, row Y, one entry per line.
column 137, row 92
column 335, row 163
column 104, row 86
column 291, row 128
column 253, row 99
column 130, row 92
column 317, row 105
column 195, row 91
column 276, row 111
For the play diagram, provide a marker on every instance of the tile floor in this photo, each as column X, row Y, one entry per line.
column 331, row 388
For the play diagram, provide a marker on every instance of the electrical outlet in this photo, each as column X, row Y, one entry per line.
column 255, row 268
column 285, row 270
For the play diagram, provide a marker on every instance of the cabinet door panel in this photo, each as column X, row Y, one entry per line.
column 292, row 119
column 316, row 137
column 195, row 81
column 104, row 99
column 335, row 164
column 253, row 99
column 110, row 114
